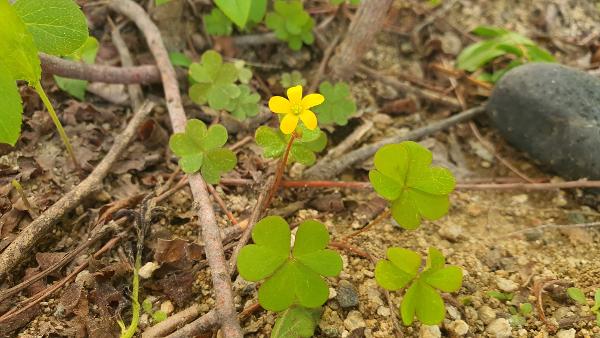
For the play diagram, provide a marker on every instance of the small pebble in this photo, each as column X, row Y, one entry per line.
column 384, row 311
column 507, row 285
column 430, row 331
column 347, row 296
column 167, row 307
column 570, row 333
column 486, row 314
column 499, row 328
column 354, row 320
column 458, row 327
column 147, row 270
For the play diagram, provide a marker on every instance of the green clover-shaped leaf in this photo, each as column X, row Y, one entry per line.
column 577, row 295
column 421, row 298
column 416, row 190
column 303, row 150
column 291, row 23
column 236, row 10
column 338, row 105
column 246, row 104
column 199, row 148
column 217, row 23
column 290, row 278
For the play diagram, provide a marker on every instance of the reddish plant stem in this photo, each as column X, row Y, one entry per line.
column 221, row 203
column 279, row 172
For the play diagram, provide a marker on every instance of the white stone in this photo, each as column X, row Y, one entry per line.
column 354, row 320
column 430, row 331
column 167, row 307
column 147, row 270
column 458, row 327
column 384, row 311
column 507, row 285
column 486, row 314
column 499, row 328
column 570, row 333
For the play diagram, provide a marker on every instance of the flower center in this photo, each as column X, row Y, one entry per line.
column 296, row 109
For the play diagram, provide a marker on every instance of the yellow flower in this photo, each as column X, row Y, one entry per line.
column 295, row 108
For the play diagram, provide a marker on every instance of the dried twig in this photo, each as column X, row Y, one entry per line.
column 367, row 22
column 210, row 231
column 135, row 90
column 326, row 56
column 538, row 290
column 24, row 242
column 324, row 170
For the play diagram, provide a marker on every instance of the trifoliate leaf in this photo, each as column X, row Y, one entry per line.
column 246, row 104
column 403, row 176
column 147, row 306
column 214, row 82
column 18, row 53
column 159, row 316
column 58, row 27
column 244, row 74
column 296, row 322
column 11, row 110
column 291, row 23
column 291, row 278
column 303, row 150
column 199, row 148
column 87, row 54
column 338, row 105
column 216, row 23
column 236, row 10
column 421, row 298
column 292, row 79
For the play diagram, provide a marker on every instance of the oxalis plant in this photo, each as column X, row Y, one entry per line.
column 293, row 275
column 27, row 27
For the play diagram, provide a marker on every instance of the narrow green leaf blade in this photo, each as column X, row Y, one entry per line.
column 58, row 27
column 577, row 295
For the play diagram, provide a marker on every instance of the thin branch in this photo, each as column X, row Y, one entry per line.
column 210, row 231
column 324, row 170
column 135, row 90
column 23, row 244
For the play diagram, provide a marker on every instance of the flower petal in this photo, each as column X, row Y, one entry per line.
column 280, row 105
column 289, row 123
column 312, row 100
column 309, row 119
column 295, row 94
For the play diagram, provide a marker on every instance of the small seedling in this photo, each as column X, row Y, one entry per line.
column 86, row 54
column 292, row 79
column 596, row 308
column 421, row 298
column 289, row 278
column 157, row 316
column 500, row 42
column 296, row 108
column 577, row 295
column 291, row 23
column 244, row 13
column 201, row 149
column 519, row 317
column 56, row 27
column 403, row 176
column 296, row 322
column 501, row 296
column 338, row 106
column 215, row 84
column 303, row 150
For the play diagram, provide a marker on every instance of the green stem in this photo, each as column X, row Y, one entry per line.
column 59, row 127
column 135, row 304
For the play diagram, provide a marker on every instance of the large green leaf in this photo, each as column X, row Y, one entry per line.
column 424, row 302
column 11, row 109
column 236, row 10
column 18, row 54
column 303, row 150
column 404, row 176
column 58, row 27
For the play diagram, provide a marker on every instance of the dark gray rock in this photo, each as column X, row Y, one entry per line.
column 552, row 112
column 347, row 296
